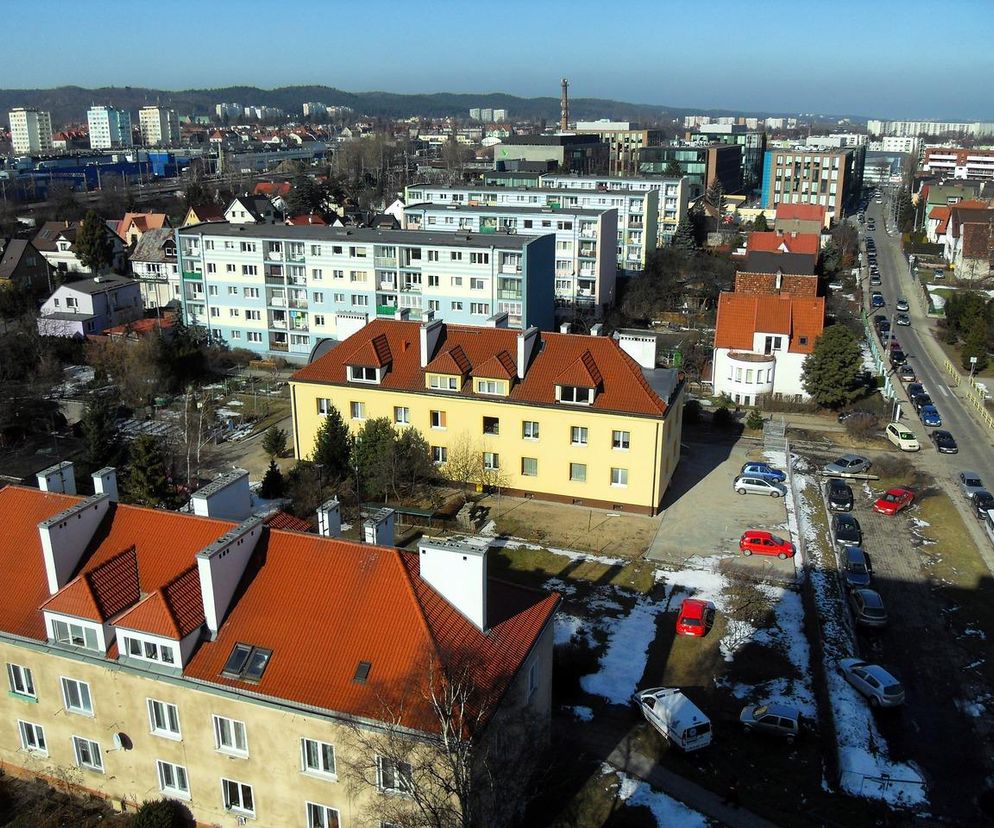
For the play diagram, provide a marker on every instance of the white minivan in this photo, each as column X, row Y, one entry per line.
column 902, row 437
column 676, row 717
column 989, row 524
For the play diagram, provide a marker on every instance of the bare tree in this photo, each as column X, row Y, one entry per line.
column 199, row 428
column 467, row 466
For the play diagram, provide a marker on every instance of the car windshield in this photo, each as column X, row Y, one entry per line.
column 858, row 568
column 973, row 481
column 906, row 435
column 893, row 690
column 892, row 498
column 690, row 622
column 777, row 540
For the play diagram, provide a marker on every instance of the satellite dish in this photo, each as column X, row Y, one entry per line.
column 122, row 741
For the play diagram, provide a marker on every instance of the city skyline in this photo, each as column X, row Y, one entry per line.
column 782, row 67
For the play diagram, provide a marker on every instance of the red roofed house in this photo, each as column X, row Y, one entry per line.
column 134, row 225
column 937, row 224
column 801, row 218
column 761, row 342
column 563, row 417
column 247, row 670
column 969, row 239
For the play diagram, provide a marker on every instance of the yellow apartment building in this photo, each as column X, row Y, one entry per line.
column 563, row 417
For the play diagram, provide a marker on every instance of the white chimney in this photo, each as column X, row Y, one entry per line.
column 378, row 528
column 430, row 332
column 60, row 478
column 221, row 566
column 458, row 572
column 402, row 314
column 226, row 498
column 105, row 482
column 597, row 329
column 65, row 536
column 528, row 341
column 640, row 346
column 330, row 518
column 564, row 327
column 779, row 278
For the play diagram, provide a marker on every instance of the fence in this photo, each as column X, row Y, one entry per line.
column 976, row 395
column 882, row 365
column 911, row 791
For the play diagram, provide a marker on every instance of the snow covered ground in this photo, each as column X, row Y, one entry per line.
column 669, row 812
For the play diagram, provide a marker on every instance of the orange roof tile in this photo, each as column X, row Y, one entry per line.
column 499, row 366
column 373, row 353
column 772, row 242
column 624, row 388
column 173, row 611
column 741, row 316
column 801, row 212
column 451, row 361
column 583, row 373
column 284, row 520
column 102, row 592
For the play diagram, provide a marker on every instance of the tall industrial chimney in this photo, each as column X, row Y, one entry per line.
column 564, row 108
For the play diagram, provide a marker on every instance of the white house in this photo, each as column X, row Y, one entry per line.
column 250, row 210
column 154, row 266
column 89, row 306
column 761, row 342
column 56, row 241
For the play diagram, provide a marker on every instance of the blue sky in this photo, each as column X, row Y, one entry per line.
column 875, row 57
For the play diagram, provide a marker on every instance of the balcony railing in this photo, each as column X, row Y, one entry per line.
column 192, row 274
column 279, row 346
column 510, row 268
column 277, row 301
column 513, row 295
column 386, row 310
column 276, row 323
column 588, row 252
column 384, row 261
column 298, row 303
column 274, row 280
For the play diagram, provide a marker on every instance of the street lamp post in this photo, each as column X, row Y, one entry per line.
column 973, row 367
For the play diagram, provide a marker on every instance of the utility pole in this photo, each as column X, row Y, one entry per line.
column 564, row 107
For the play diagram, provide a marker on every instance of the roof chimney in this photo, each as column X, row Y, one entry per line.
column 430, row 332
column 378, row 528
column 227, row 498
column 65, row 536
column 402, row 314
column 498, row 320
column 221, row 566
column 330, row 518
column 564, row 327
column 528, row 341
column 779, row 279
column 59, row 478
column 458, row 572
column 105, row 482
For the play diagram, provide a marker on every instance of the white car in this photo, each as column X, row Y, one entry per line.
column 873, row 682
column 902, row 437
column 750, row 484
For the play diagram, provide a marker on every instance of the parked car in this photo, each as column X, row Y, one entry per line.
column 758, row 485
column 856, row 568
column 970, row 482
column 676, row 717
column 982, row 502
column 847, row 464
column 778, row 719
column 920, row 400
column 893, row 501
column 902, row 437
column 944, row 442
column 872, row 681
column 884, row 329
column 897, row 358
column 868, row 608
column 939, row 273
column 929, row 415
column 695, row 618
column 914, row 389
column 759, row 542
column 875, row 282
column 902, row 304
column 903, row 319
column 879, row 317
column 764, row 470
column 877, row 300
column 839, row 495
column 846, row 531
column 906, row 373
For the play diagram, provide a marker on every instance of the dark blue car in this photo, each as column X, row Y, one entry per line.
column 765, row 471
column 877, row 300
column 929, row 415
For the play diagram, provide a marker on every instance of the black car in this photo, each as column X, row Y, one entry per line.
column 914, row 389
column 919, row 401
column 839, row 495
column 846, row 531
column 944, row 442
column 879, row 317
column 982, row 501
column 883, row 328
column 898, row 358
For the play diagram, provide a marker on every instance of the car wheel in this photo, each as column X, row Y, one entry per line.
column 741, row 491
column 774, row 494
column 790, row 739
column 874, row 701
column 782, row 556
column 747, row 552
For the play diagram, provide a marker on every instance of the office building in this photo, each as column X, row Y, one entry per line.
column 159, row 126
column 702, row 164
column 278, row 290
column 831, row 178
column 109, row 128
column 624, row 139
column 581, row 154
column 30, row 131
column 562, row 417
column 752, row 141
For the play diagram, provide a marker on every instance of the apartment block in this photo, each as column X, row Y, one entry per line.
column 703, row 164
column 153, row 263
column 637, row 209
column 624, row 139
column 563, row 417
column 158, row 654
column 30, row 131
column 278, row 290
column 582, row 154
column 586, row 258
column 109, row 127
column 752, row 141
column 931, row 128
column 956, row 162
column 831, row 178
column 159, row 126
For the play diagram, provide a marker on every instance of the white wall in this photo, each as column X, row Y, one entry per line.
column 457, row 572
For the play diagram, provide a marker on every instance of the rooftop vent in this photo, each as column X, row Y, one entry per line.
column 362, row 672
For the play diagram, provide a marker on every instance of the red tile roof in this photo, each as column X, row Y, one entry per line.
column 941, row 215
column 173, row 611
column 624, row 388
column 453, row 361
column 312, row 218
column 102, row 592
column 583, row 373
column 284, row 520
column 372, row 353
column 499, row 366
column 772, row 242
column 741, row 316
column 801, row 212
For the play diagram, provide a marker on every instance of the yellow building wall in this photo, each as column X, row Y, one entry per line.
column 650, row 459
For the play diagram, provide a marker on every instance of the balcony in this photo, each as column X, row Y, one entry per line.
column 192, row 274
column 385, row 261
column 278, row 346
column 300, row 326
column 410, row 287
column 274, row 280
column 298, row 303
column 588, row 253
column 277, row 302
column 386, row 310
column 510, row 268
column 635, row 224
column 278, row 323
column 296, row 256
column 511, row 295
column 587, row 271
column 274, row 256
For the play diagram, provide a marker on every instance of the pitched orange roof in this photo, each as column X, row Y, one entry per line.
column 772, row 242
column 801, row 212
column 451, row 361
column 499, row 366
column 284, row 520
column 742, row 316
column 102, row 592
column 373, row 353
column 311, row 218
column 173, row 611
column 144, row 221
column 583, row 373
column 941, row 215
column 623, row 386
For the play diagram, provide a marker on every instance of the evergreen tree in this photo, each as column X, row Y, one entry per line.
column 93, row 245
column 101, row 440
column 332, row 447
column 272, row 482
column 160, row 813
column 761, row 225
column 414, row 463
column 306, row 196
column 146, row 482
column 754, row 420
column 684, row 239
column 831, row 371
column 975, row 345
column 673, row 169
column 715, row 197
column 376, row 455
column 274, row 441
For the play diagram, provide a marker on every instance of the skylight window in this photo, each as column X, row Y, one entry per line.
column 246, row 663
column 362, row 672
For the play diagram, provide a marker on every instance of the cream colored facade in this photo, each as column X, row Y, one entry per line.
column 558, row 452
column 272, row 763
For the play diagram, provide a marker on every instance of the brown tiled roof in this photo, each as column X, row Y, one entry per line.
column 284, row 520
column 373, row 353
column 499, row 366
column 583, row 372
column 794, row 283
column 801, row 212
column 741, row 316
column 941, row 215
column 624, row 388
column 173, row 611
column 771, row 242
column 452, row 361
column 978, row 239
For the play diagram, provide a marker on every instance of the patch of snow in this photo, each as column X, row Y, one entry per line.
column 971, row 708
column 667, row 810
column 567, row 626
column 560, row 586
column 972, row 633
column 918, row 522
column 623, row 662
column 584, row 714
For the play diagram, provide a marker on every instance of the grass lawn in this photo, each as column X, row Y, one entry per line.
column 535, row 566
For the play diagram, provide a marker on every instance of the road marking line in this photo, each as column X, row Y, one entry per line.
column 945, row 393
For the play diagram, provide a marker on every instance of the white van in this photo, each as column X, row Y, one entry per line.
column 989, row 524
column 902, row 437
column 676, row 717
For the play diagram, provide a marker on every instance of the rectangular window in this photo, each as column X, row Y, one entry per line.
column 230, row 268
column 489, row 387
column 432, row 255
column 491, row 425
column 232, row 290
column 362, row 373
column 319, row 319
column 315, row 249
column 173, row 779
column 253, row 336
column 237, row 797
column 491, row 460
column 529, row 466
column 318, row 297
column 32, row 737
column 476, row 284
column 455, row 281
column 317, row 757
column 164, row 718
column 578, row 435
column 479, row 308
column 75, row 635
column 249, row 270
column 573, row 394
column 253, row 315
column 322, row 816
column 456, row 256
column 212, row 290
column 456, row 306
column 578, row 472
column 215, row 312
column 357, row 410
column 529, row 430
column 21, row 681
column 148, row 650
column 479, row 258
column 229, row 736
column 359, row 300
column 619, row 477
column 439, row 455
column 620, row 440
column 87, row 754
column 432, row 280
column 77, row 696
column 443, row 383
column 393, row 776
column 438, row 419
column 401, row 415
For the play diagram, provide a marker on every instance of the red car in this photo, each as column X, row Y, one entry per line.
column 893, row 500
column 757, row 542
column 695, row 618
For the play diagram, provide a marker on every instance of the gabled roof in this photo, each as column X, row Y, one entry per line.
column 143, row 221
column 761, row 261
column 173, row 611
column 498, row 366
column 310, row 218
column 742, row 316
column 773, row 242
column 152, row 245
column 624, row 388
column 940, row 215
column 583, row 372
column 207, row 212
column 373, row 353
column 801, row 212
column 99, row 284
column 11, row 252
column 47, row 237
column 284, row 520
column 256, row 206
column 452, row 361
column 102, row 592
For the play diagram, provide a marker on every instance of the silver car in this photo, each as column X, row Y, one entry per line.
column 873, row 682
column 750, row 484
column 847, row 464
column 778, row 719
column 868, row 608
column 970, row 482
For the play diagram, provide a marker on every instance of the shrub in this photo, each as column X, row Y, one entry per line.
column 862, row 425
column 723, row 418
column 161, row 813
column 691, row 412
column 892, row 466
column 754, row 420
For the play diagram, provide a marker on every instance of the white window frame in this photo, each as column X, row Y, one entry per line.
column 82, row 689
column 146, row 649
column 578, row 466
column 530, row 430
column 436, row 415
column 579, row 435
column 401, row 415
column 321, row 769
column 178, row 772
column 491, row 461
column 21, row 681
column 532, row 473
column 81, row 743
column 357, row 410
column 168, row 713
column 71, row 631
column 572, row 396
column 439, row 455
column 387, row 769
column 232, row 726
column 361, row 373
column 323, row 814
column 32, row 738
column 229, row 805
column 488, row 386
column 619, row 477
column 621, row 440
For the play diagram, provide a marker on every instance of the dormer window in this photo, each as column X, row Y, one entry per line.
column 443, row 382
column 75, row 634
column 363, row 373
column 490, row 386
column 577, row 395
column 148, row 649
